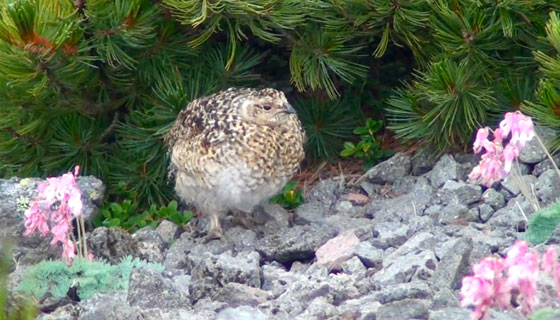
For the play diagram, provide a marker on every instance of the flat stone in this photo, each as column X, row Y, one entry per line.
column 453, row 263
column 454, row 192
column 493, row 198
column 217, row 270
column 423, row 161
column 547, row 187
column 112, row 244
column 145, row 282
column 390, row 170
column 296, row 243
column 241, row 313
column 410, row 290
column 389, row 234
column 337, row 250
column 509, row 183
column 370, row 256
column 403, row 309
column 168, row 231
column 445, row 169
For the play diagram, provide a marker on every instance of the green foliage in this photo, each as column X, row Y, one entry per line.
column 546, row 109
column 89, row 277
column 326, row 124
column 23, row 311
column 368, row 148
column 545, row 314
column 290, row 198
column 125, row 215
column 443, row 106
column 542, row 224
column 98, row 83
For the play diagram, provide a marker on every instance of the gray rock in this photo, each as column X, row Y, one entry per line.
column 423, row 161
column 403, row 309
column 310, row 212
column 450, row 314
column 361, row 227
column 510, row 217
column 533, row 152
column 545, row 165
column 410, row 290
column 242, row 239
column 445, row 169
column 297, row 243
column 150, row 245
column 444, row 298
column 417, row 265
column 451, row 213
column 493, row 198
column 389, row 234
column 454, row 192
column 403, row 206
column 16, row 195
column 241, row 313
column 320, row 308
column 188, row 251
column 510, row 185
column 390, row 170
column 168, row 231
column 364, row 308
column 240, row 294
column 355, row 268
column 453, row 263
column 485, row 212
column 547, row 187
column 419, row 242
column 214, row 271
column 370, row 256
column 144, row 282
column 325, row 192
column 112, row 244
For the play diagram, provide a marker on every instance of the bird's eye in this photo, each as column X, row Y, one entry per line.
column 267, row 107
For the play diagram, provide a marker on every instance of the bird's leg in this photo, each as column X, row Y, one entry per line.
column 215, row 231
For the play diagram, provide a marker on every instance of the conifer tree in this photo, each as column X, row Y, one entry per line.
column 97, row 83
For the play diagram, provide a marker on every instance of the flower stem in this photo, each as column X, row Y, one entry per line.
column 548, row 155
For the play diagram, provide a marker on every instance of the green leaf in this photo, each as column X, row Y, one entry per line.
column 115, row 222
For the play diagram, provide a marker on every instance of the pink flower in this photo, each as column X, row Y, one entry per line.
column 486, row 288
column 520, row 126
column 523, row 272
column 509, row 154
column 35, row 219
column 68, row 250
column 550, row 265
column 64, row 193
column 489, row 170
column 60, row 232
column 496, row 162
column 481, row 137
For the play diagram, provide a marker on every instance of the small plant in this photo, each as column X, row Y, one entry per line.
column 25, row 310
column 125, row 215
column 87, row 277
column 542, row 224
column 368, row 148
column 59, row 201
column 290, row 198
column 506, row 282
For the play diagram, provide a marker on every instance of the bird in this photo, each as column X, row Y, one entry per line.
column 233, row 150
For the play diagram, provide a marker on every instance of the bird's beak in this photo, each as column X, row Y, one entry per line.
column 289, row 109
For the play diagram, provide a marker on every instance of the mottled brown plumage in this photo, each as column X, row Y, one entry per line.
column 233, row 150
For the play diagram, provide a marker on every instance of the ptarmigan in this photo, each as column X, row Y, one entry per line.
column 234, row 150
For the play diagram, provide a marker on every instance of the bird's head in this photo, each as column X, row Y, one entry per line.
column 265, row 107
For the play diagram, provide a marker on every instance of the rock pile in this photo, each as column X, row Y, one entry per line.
column 405, row 237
